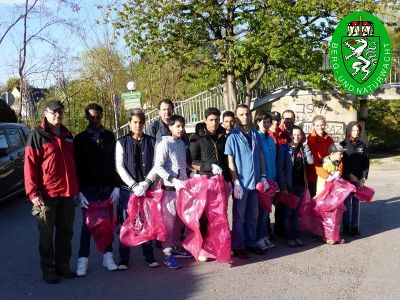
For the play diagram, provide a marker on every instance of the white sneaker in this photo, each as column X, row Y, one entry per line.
column 268, row 243
column 81, row 268
column 261, row 244
column 202, row 258
column 108, row 262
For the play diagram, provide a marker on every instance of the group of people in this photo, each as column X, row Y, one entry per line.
column 94, row 166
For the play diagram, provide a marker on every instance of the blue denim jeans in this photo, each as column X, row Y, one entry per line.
column 124, row 252
column 245, row 215
column 350, row 216
column 291, row 219
column 92, row 194
column 263, row 223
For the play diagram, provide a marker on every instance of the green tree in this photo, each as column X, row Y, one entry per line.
column 242, row 39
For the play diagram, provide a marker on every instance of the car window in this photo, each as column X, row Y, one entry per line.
column 14, row 138
column 26, row 132
column 3, row 143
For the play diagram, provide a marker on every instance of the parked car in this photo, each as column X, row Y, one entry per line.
column 13, row 138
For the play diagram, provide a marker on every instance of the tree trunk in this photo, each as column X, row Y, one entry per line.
column 230, row 91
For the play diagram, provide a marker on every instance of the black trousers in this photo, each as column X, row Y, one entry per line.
column 55, row 221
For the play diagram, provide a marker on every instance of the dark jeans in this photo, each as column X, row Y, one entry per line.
column 56, row 213
column 351, row 215
column 92, row 194
column 124, row 252
column 292, row 220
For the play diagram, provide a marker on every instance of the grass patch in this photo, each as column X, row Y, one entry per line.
column 376, row 161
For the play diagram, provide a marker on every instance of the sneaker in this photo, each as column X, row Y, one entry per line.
column 152, row 263
column 65, row 272
column 355, row 232
column 299, row 242
column 124, row 265
column 291, row 243
column 261, row 243
column 181, row 252
column 108, row 262
column 171, row 262
column 202, row 258
column 81, row 268
column 256, row 250
column 241, row 253
column 268, row 243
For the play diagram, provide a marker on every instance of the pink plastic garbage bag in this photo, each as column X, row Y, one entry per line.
column 310, row 220
column 144, row 222
column 289, row 199
column 266, row 197
column 365, row 193
column 190, row 204
column 333, row 195
column 100, row 221
column 217, row 242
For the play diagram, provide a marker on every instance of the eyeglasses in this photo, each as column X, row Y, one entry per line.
column 58, row 111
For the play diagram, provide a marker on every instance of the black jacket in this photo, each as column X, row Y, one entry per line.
column 355, row 159
column 204, row 151
column 95, row 159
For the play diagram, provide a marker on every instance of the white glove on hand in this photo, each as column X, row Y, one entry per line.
column 330, row 178
column 144, row 185
column 138, row 190
column 178, row 184
column 193, row 175
column 264, row 183
column 215, row 169
column 114, row 195
column 83, row 201
column 336, row 175
column 237, row 190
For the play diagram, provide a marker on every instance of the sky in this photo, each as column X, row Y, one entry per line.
column 41, row 54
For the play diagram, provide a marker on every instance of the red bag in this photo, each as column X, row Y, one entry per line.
column 328, row 207
column 144, row 222
column 289, row 199
column 100, row 221
column 365, row 193
column 217, row 242
column 310, row 220
column 209, row 196
column 266, row 197
column 333, row 195
column 190, row 203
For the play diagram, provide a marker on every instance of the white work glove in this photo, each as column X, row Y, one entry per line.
column 237, row 190
column 264, row 183
column 330, row 178
column 193, row 175
column 138, row 190
column 178, row 184
column 336, row 175
column 215, row 169
column 144, row 185
column 83, row 201
column 114, row 195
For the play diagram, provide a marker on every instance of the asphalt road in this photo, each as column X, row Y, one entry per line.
column 366, row 268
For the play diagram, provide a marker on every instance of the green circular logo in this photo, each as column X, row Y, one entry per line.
column 360, row 53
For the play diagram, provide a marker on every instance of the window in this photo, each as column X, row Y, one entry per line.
column 3, row 143
column 14, row 137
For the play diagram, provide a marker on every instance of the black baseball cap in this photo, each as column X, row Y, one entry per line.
column 54, row 104
column 276, row 115
column 336, row 147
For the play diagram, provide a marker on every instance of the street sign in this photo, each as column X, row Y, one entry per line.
column 8, row 97
column 131, row 100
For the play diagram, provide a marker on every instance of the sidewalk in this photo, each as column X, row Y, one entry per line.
column 385, row 163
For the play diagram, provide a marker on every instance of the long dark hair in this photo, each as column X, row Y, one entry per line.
column 350, row 138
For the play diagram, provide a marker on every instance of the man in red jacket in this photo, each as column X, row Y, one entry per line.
column 51, row 183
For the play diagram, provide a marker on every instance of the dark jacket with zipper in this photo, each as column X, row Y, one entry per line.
column 205, row 151
column 355, row 159
column 95, row 158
